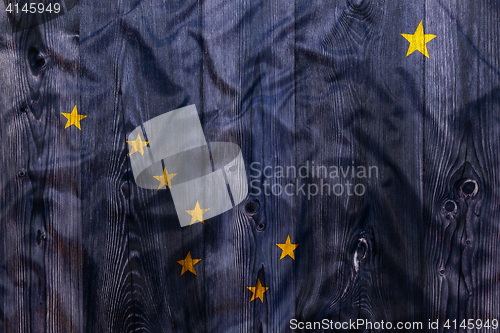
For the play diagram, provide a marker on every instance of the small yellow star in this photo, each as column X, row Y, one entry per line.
column 258, row 291
column 197, row 213
column 137, row 145
column 188, row 264
column 287, row 248
column 73, row 118
column 164, row 179
column 418, row 41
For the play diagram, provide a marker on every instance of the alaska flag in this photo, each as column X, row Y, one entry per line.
column 408, row 87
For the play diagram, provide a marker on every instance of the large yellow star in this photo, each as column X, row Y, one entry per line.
column 258, row 291
column 137, row 145
column 287, row 248
column 418, row 41
column 197, row 213
column 188, row 264
column 165, row 179
column 73, row 118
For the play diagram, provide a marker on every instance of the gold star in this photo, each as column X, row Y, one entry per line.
column 73, row 118
column 197, row 213
column 287, row 248
column 165, row 178
column 188, row 264
column 418, row 41
column 137, row 145
column 258, row 291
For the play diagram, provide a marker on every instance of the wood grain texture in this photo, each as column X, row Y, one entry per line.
column 84, row 249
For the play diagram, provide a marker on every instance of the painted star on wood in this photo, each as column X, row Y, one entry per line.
column 165, row 178
column 418, row 41
column 73, row 118
column 137, row 145
column 197, row 213
column 287, row 248
column 258, row 291
column 188, row 264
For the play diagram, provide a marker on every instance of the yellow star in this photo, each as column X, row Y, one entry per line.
column 137, row 145
column 287, row 248
column 197, row 213
column 164, row 179
column 418, row 41
column 188, row 264
column 258, row 291
column 73, row 118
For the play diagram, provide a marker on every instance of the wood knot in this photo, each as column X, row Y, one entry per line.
column 469, row 188
column 356, row 3
column 252, row 206
column 40, row 236
column 37, row 59
column 449, row 208
column 360, row 253
column 126, row 189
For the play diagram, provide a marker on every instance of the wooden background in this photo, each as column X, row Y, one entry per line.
column 83, row 249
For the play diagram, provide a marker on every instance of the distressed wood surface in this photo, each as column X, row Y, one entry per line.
column 84, row 249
